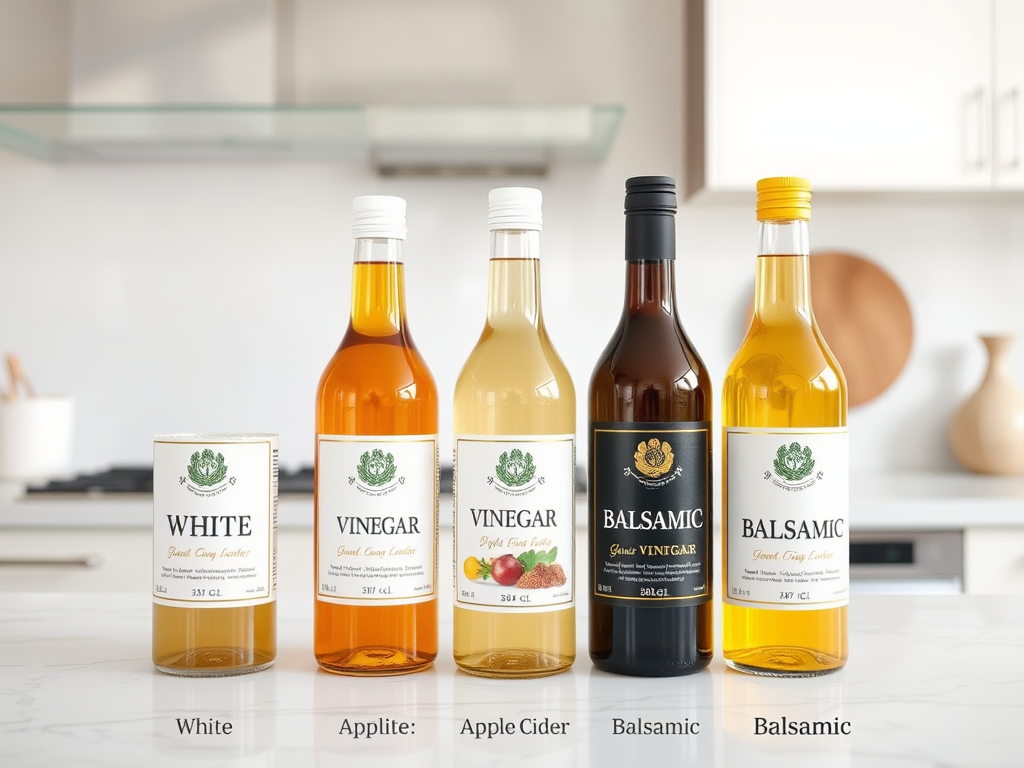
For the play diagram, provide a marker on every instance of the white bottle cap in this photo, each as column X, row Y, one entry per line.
column 378, row 216
column 514, row 208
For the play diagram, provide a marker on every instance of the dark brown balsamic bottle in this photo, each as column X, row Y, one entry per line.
column 649, row 491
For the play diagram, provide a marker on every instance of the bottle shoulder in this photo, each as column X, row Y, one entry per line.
column 796, row 349
column 652, row 349
column 514, row 358
column 388, row 363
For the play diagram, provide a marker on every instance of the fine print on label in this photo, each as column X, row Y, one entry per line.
column 650, row 511
column 214, row 520
column 514, row 518
column 788, row 492
column 377, row 512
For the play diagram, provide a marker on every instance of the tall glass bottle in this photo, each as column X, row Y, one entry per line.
column 786, row 470
column 650, row 413
column 515, row 425
column 375, row 550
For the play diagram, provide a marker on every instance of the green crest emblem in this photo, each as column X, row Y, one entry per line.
column 206, row 470
column 793, row 462
column 376, row 468
column 515, row 469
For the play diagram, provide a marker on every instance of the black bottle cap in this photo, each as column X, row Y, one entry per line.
column 650, row 218
column 651, row 194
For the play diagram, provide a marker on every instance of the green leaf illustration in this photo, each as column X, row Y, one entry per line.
column 207, row 470
column 793, row 462
column 376, row 468
column 515, row 469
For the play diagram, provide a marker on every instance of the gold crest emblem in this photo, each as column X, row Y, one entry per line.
column 654, row 458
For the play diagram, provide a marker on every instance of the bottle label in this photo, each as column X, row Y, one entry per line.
column 214, row 522
column 650, row 512
column 376, row 519
column 788, row 493
column 514, row 522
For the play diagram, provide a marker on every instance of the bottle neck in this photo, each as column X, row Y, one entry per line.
column 513, row 288
column 378, row 287
column 783, row 287
column 651, row 287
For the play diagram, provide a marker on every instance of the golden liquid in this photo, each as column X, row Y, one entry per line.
column 782, row 376
column 214, row 641
column 514, row 383
column 376, row 384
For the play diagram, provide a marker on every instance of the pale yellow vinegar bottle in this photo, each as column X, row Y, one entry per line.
column 515, row 426
column 785, row 497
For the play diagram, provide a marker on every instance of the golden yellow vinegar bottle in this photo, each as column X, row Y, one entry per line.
column 515, row 438
column 785, row 496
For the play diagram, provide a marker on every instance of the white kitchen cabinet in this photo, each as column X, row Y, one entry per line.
column 994, row 561
column 1008, row 94
column 857, row 95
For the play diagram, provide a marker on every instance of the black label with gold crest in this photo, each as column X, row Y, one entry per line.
column 650, row 511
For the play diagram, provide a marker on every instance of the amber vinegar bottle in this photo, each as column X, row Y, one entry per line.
column 785, row 472
column 375, row 610
column 650, row 466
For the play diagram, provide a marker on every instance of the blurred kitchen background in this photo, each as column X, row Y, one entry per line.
column 169, row 290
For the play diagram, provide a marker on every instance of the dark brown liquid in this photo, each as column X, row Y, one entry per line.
column 650, row 372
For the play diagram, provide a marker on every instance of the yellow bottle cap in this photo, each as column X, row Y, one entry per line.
column 783, row 198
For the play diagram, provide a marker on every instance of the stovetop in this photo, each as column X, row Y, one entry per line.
column 139, row 479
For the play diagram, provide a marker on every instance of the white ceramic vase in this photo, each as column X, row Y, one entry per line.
column 987, row 433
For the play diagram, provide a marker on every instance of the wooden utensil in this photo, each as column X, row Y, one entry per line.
column 18, row 378
column 865, row 319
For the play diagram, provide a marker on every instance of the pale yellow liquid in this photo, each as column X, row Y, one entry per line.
column 214, row 641
column 782, row 376
column 514, row 383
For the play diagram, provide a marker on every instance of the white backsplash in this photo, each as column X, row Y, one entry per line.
column 209, row 296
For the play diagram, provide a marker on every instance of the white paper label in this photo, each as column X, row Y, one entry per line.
column 214, row 523
column 788, row 511
column 376, row 519
column 514, row 518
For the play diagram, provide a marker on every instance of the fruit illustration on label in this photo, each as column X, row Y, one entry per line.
column 793, row 462
column 654, row 458
column 506, row 570
column 528, row 570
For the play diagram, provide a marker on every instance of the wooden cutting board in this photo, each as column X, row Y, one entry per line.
column 865, row 319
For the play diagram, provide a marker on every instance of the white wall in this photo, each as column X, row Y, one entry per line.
column 210, row 296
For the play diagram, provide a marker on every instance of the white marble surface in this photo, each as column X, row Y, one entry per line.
column 932, row 681
column 878, row 501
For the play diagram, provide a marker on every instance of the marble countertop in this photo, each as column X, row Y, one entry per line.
column 932, row 681
column 878, row 501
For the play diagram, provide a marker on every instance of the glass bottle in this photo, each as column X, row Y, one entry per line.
column 515, row 425
column 785, row 479
column 650, row 466
column 214, row 553
column 375, row 526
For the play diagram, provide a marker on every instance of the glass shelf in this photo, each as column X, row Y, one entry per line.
column 395, row 139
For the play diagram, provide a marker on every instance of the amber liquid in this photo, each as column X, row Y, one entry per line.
column 514, row 383
column 650, row 372
column 376, row 384
column 783, row 375
column 214, row 641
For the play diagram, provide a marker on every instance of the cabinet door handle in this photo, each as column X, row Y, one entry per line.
column 81, row 561
column 975, row 125
column 1012, row 100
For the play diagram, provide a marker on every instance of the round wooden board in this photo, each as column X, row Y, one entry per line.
column 865, row 319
